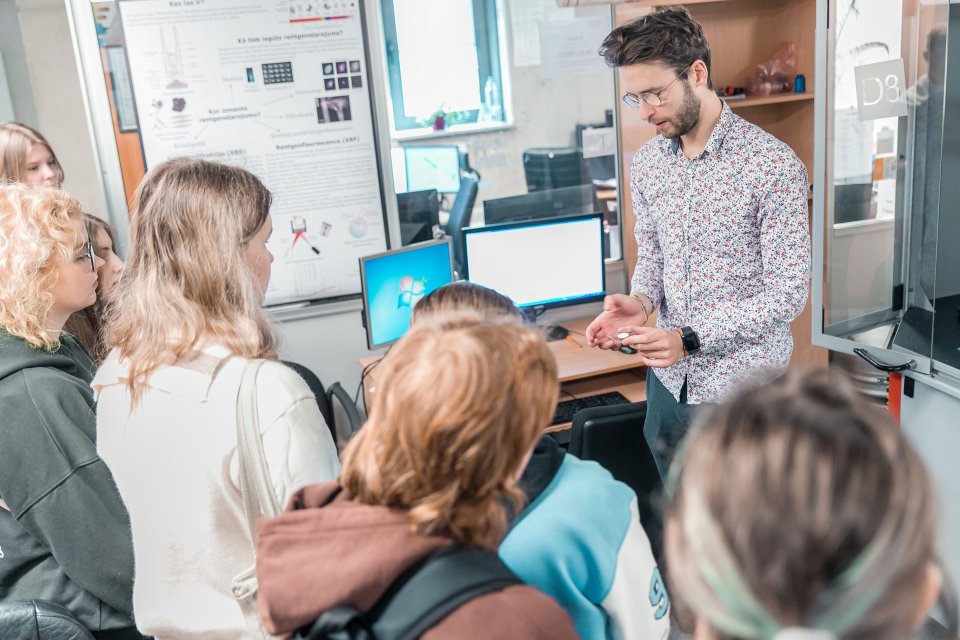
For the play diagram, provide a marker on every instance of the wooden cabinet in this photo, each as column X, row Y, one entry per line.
column 741, row 34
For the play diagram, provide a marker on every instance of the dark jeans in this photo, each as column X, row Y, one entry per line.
column 666, row 424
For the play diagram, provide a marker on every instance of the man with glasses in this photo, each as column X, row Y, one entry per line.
column 721, row 228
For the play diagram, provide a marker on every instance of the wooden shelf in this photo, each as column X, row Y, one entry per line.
column 762, row 100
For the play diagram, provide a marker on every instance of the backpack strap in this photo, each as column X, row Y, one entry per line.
column 449, row 578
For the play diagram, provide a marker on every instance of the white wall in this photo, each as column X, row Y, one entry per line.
column 15, row 64
column 53, row 82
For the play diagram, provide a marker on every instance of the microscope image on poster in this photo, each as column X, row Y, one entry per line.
column 333, row 109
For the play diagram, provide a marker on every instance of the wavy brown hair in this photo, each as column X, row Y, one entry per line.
column 669, row 36
column 15, row 142
column 38, row 228
column 801, row 505
column 461, row 402
column 186, row 280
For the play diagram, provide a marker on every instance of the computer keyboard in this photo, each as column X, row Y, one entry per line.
column 567, row 408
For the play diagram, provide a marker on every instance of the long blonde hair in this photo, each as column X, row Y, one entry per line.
column 800, row 505
column 461, row 402
column 15, row 142
column 186, row 279
column 38, row 228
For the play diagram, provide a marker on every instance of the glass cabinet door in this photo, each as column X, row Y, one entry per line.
column 886, row 232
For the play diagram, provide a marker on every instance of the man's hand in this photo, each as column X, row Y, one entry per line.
column 660, row 348
column 619, row 310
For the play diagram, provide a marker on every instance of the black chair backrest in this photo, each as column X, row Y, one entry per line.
column 613, row 437
column 39, row 620
column 341, row 404
column 460, row 214
column 319, row 393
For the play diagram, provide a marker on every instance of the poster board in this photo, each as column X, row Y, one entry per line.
column 281, row 89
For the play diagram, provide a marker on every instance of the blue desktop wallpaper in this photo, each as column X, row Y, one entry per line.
column 395, row 283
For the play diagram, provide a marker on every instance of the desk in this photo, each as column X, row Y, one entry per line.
column 582, row 371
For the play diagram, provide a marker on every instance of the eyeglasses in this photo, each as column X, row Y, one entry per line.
column 90, row 255
column 651, row 98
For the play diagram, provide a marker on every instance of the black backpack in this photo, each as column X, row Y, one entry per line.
column 418, row 599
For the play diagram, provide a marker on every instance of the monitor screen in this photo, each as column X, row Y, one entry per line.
column 419, row 213
column 432, row 168
column 541, row 263
column 394, row 281
column 540, row 204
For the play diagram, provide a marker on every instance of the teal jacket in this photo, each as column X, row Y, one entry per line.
column 66, row 536
column 580, row 541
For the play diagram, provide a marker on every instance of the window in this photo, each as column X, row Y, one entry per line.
column 443, row 59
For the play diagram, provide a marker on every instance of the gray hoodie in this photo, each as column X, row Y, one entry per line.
column 66, row 536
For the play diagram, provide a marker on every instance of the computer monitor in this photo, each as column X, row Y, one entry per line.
column 433, row 168
column 422, row 168
column 540, row 263
column 553, row 168
column 392, row 282
column 541, row 204
column 419, row 213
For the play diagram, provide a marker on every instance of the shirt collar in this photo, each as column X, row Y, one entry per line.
column 714, row 142
column 191, row 377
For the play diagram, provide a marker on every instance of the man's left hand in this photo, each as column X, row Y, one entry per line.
column 660, row 348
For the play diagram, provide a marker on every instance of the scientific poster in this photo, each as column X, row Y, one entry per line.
column 278, row 88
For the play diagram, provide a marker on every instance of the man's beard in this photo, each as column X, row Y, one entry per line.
column 687, row 115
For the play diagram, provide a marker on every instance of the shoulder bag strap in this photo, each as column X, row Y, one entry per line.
column 255, row 485
column 449, row 578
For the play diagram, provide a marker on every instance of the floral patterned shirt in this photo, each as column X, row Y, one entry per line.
column 724, row 248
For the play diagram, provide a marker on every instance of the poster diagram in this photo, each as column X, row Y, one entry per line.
column 277, row 89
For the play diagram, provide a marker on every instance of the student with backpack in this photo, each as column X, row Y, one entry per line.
column 598, row 564
column 460, row 404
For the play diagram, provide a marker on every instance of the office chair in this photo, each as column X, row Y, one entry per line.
column 322, row 396
column 460, row 214
column 346, row 419
column 39, row 620
column 613, row 437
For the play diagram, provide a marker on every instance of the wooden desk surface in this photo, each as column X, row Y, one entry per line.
column 582, row 370
column 578, row 361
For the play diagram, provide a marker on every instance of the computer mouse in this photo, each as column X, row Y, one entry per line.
column 627, row 349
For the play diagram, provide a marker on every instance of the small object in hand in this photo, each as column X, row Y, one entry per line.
column 624, row 334
column 627, row 349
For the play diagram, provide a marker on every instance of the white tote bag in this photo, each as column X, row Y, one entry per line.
column 259, row 499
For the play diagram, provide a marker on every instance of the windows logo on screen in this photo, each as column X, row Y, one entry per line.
column 411, row 290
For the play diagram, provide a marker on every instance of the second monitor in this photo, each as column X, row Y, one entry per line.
column 541, row 204
column 540, row 264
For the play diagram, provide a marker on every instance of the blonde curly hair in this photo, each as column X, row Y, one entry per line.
column 38, row 226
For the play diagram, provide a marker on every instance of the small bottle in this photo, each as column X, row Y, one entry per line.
column 799, row 84
column 491, row 110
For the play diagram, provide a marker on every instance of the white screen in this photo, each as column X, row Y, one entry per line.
column 541, row 263
column 433, row 168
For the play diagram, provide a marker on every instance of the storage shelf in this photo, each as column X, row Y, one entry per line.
column 762, row 100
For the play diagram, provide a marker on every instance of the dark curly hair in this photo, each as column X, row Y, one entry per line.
column 669, row 36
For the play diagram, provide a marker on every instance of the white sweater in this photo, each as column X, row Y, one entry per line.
column 174, row 462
